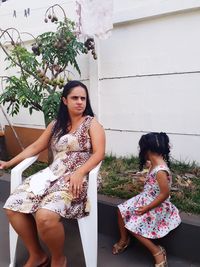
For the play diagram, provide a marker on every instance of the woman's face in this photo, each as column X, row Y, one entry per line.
column 76, row 101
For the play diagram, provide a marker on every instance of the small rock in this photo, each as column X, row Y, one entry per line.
column 174, row 189
column 189, row 175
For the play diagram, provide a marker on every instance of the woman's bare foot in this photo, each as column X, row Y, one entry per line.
column 61, row 262
column 37, row 260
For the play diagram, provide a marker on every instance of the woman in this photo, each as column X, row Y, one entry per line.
column 77, row 141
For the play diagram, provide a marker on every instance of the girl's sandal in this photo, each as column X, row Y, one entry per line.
column 46, row 263
column 119, row 247
column 65, row 263
column 163, row 263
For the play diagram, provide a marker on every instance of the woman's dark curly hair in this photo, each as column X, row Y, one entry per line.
column 154, row 142
column 63, row 120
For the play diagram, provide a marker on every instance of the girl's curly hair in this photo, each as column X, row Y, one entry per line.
column 154, row 142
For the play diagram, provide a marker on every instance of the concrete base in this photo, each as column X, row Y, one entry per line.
column 182, row 242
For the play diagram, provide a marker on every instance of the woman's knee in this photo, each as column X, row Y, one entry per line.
column 46, row 219
column 10, row 213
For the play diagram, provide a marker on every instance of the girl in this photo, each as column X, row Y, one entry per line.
column 150, row 214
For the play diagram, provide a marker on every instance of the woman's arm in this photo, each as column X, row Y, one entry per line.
column 97, row 136
column 35, row 148
column 164, row 193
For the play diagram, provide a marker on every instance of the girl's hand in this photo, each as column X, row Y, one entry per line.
column 141, row 210
column 4, row 165
column 76, row 183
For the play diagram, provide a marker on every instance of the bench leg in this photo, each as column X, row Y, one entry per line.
column 13, row 245
column 88, row 232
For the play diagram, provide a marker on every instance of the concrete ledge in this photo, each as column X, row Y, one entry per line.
column 183, row 242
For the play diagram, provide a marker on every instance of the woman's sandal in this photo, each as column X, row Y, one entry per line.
column 163, row 263
column 119, row 247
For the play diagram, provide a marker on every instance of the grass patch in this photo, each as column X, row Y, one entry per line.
column 117, row 177
column 35, row 167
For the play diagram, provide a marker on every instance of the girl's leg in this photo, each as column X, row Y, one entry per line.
column 123, row 242
column 154, row 249
column 123, row 231
column 52, row 233
column 24, row 225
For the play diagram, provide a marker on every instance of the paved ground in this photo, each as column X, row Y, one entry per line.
column 135, row 255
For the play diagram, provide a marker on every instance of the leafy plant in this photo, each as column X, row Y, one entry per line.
column 42, row 71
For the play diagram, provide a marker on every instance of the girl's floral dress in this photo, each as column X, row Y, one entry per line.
column 157, row 222
column 69, row 153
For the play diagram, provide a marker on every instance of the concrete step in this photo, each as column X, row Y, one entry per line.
column 135, row 255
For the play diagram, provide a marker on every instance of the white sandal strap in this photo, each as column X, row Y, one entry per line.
column 161, row 264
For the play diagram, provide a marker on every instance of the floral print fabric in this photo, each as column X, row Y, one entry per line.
column 69, row 153
column 157, row 222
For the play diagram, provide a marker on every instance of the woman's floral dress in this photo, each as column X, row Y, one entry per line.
column 69, row 153
column 157, row 222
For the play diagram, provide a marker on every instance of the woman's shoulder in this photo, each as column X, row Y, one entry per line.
column 89, row 117
column 90, row 124
column 51, row 125
column 91, row 120
column 95, row 124
column 53, row 122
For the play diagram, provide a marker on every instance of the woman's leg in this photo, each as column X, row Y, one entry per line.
column 154, row 249
column 25, row 226
column 52, row 233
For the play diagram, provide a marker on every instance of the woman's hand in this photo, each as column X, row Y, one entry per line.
column 142, row 210
column 4, row 165
column 76, row 183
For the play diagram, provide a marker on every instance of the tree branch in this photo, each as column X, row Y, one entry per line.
column 16, row 63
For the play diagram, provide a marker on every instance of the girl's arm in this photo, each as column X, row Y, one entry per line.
column 164, row 193
column 97, row 136
column 35, row 148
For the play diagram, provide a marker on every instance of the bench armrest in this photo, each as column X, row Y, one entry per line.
column 16, row 172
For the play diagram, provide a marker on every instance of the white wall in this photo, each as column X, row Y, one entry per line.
column 149, row 79
column 147, row 76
